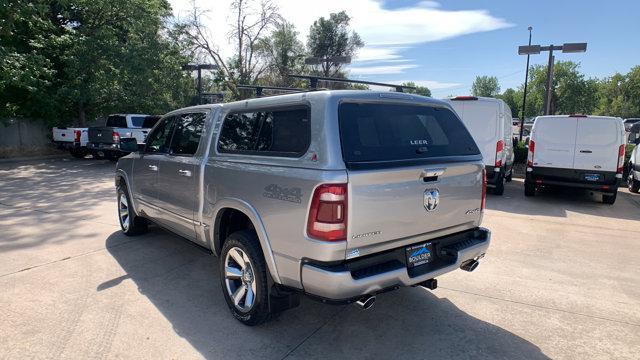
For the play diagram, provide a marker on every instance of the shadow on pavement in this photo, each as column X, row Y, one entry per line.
column 64, row 192
column 182, row 282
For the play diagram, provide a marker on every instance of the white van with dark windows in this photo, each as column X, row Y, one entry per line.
column 489, row 121
column 580, row 151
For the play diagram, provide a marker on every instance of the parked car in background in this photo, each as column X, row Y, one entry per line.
column 72, row 139
column 628, row 123
column 339, row 195
column 633, row 179
column 576, row 151
column 489, row 121
column 104, row 141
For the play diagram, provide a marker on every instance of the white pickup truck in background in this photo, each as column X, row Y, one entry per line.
column 72, row 139
column 104, row 141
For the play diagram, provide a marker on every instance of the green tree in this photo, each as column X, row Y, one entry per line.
column 619, row 95
column 283, row 53
column 94, row 57
column 331, row 37
column 485, row 86
column 419, row 90
column 572, row 93
column 252, row 22
column 513, row 98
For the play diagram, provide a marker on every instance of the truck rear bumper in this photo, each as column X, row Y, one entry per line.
column 609, row 182
column 104, row 147
column 380, row 272
column 67, row 145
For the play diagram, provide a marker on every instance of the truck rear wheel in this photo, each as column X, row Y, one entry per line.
column 243, row 278
column 499, row 189
column 529, row 189
column 609, row 199
column 78, row 153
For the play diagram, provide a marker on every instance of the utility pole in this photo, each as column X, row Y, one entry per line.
column 524, row 96
column 549, row 88
column 536, row 49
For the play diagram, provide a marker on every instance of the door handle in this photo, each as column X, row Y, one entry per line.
column 586, row 151
column 153, row 168
column 186, row 173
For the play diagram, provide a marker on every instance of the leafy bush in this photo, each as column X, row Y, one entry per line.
column 520, row 153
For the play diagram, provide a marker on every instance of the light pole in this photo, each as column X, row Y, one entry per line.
column 199, row 68
column 536, row 49
column 524, row 96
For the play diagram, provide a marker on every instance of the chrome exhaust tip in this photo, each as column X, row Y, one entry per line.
column 366, row 302
column 469, row 265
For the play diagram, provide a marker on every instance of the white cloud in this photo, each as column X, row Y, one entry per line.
column 371, row 53
column 380, row 70
column 386, row 32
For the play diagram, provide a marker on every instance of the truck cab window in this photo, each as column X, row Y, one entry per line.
column 159, row 138
column 186, row 136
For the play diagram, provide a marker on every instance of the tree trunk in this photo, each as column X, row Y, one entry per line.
column 82, row 116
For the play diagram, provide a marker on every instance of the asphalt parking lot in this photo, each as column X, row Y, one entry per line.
column 560, row 281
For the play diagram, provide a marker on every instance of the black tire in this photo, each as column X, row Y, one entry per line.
column 632, row 183
column 499, row 189
column 509, row 177
column 132, row 224
column 247, row 242
column 529, row 189
column 609, row 199
column 97, row 155
column 78, row 153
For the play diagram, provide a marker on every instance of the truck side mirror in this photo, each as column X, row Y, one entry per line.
column 129, row 145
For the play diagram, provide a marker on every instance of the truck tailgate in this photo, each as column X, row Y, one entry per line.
column 101, row 135
column 391, row 205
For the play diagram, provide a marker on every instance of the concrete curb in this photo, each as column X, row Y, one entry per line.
column 33, row 158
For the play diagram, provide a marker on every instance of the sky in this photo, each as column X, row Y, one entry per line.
column 444, row 45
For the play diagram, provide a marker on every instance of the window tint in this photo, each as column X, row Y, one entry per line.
column 186, row 135
column 116, row 121
column 137, row 121
column 150, row 121
column 284, row 132
column 386, row 132
column 159, row 138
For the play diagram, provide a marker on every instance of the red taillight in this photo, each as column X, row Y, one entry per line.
column 76, row 135
column 532, row 149
column 116, row 136
column 484, row 189
column 620, row 168
column 499, row 148
column 459, row 98
column 328, row 214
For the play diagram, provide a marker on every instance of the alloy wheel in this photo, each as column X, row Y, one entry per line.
column 240, row 279
column 123, row 212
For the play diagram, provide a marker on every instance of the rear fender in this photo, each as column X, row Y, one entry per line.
column 252, row 214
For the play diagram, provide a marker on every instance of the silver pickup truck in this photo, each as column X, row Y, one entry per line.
column 338, row 195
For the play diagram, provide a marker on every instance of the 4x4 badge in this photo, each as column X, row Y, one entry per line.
column 431, row 199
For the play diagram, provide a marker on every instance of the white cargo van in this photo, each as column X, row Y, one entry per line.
column 576, row 151
column 489, row 121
